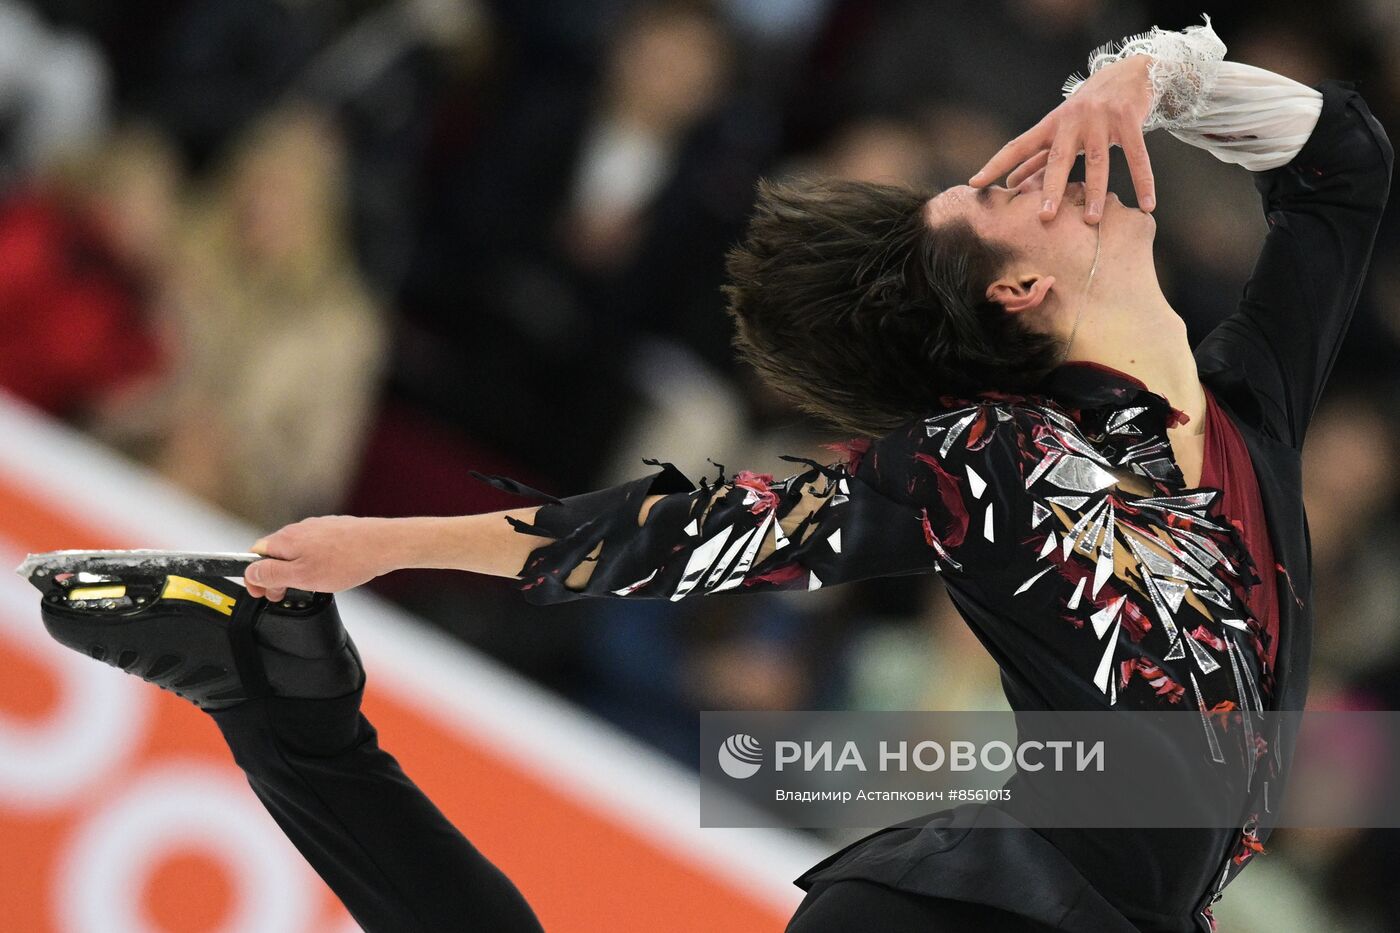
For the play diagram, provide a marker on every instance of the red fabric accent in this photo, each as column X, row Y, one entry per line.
column 1227, row 467
column 778, row 575
column 1249, row 846
column 1206, row 638
column 1222, row 711
column 758, row 484
column 1154, row 675
column 853, row 451
column 950, row 494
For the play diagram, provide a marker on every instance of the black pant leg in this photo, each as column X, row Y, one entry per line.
column 852, row 906
column 388, row 853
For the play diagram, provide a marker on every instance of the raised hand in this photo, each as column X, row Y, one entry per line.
column 323, row 555
column 1107, row 110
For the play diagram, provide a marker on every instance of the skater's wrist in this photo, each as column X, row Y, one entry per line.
column 401, row 543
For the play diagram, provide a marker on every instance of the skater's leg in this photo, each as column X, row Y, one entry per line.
column 283, row 682
column 390, row 855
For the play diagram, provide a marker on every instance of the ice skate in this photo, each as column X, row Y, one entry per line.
column 176, row 620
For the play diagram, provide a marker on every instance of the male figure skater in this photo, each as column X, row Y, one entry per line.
column 1118, row 519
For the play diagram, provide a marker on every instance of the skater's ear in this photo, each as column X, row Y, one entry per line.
column 1024, row 291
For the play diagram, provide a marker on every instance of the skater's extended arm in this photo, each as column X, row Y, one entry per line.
column 938, row 493
column 331, row 553
column 337, row 552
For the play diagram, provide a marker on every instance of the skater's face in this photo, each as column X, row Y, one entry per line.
column 1048, row 255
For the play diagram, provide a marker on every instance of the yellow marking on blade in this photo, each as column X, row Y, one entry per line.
column 116, row 591
column 196, row 592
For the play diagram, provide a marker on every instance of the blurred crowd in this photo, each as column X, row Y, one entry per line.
column 303, row 256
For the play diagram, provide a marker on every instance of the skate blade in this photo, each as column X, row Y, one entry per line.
column 60, row 571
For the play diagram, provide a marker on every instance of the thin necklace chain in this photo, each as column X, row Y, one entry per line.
column 1098, row 242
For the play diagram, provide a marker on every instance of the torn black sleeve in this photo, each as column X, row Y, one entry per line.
column 895, row 508
column 704, row 539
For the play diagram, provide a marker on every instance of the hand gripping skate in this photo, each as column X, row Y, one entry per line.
column 174, row 619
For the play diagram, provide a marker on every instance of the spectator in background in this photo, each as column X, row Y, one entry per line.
column 281, row 345
column 79, row 247
column 591, row 206
column 668, row 71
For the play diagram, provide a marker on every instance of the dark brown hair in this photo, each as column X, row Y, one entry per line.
column 847, row 302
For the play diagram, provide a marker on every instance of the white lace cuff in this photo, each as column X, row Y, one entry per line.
column 1238, row 113
column 1183, row 71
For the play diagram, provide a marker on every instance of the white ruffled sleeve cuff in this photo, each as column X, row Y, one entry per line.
column 1239, row 113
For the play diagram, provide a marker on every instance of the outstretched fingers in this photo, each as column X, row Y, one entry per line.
column 1139, row 164
column 1095, row 176
column 1015, row 152
column 1027, row 169
column 1059, row 159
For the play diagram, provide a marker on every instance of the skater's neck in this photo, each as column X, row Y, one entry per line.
column 1144, row 336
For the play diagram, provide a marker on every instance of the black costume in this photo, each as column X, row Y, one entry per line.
column 1014, row 501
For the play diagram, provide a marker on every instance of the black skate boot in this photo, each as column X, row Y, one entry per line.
column 176, row 621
